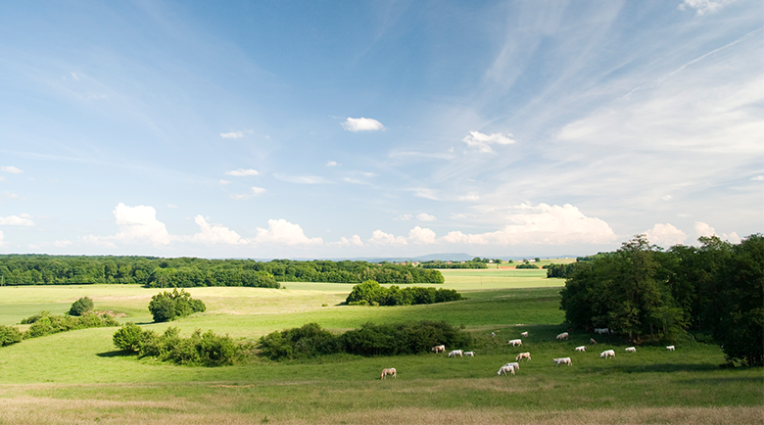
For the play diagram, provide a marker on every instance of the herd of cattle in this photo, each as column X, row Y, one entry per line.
column 515, row 366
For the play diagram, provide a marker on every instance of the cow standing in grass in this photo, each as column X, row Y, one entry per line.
column 388, row 372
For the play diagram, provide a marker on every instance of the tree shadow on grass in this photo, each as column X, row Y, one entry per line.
column 116, row 353
column 722, row 380
column 658, row 367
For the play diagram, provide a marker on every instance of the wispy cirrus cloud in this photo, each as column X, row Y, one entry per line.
column 242, row 172
column 300, row 179
column 704, row 6
column 11, row 169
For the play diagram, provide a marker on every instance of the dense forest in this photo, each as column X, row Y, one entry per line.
column 650, row 295
column 191, row 272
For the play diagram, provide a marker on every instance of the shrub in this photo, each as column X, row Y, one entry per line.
column 205, row 349
column 81, row 306
column 47, row 324
column 128, row 337
column 9, row 335
column 167, row 306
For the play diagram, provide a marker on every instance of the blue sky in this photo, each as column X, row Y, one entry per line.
column 358, row 129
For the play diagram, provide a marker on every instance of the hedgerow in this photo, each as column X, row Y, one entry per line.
column 45, row 323
column 372, row 293
column 200, row 349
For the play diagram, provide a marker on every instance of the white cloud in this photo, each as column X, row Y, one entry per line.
column 354, row 240
column 665, row 235
column 541, row 225
column 422, row 192
column 703, row 229
column 232, row 135
column 420, row 235
column 425, row 217
column 482, row 142
column 732, row 237
column 283, row 232
column 62, row 244
column 14, row 220
column 300, row 179
column 224, row 182
column 98, row 240
column 704, row 6
column 136, row 224
column 172, row 206
column 667, row 197
column 2, row 236
column 403, row 217
column 215, row 234
column 253, row 191
column 331, row 164
column 470, row 197
column 757, row 178
column 242, row 172
column 362, row 124
column 354, row 181
column 379, row 237
column 11, row 169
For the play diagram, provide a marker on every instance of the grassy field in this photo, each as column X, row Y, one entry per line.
column 78, row 377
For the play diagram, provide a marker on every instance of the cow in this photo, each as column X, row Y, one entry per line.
column 671, row 348
column 515, row 365
column 608, row 353
column 455, row 353
column 562, row 360
column 581, row 348
column 563, row 336
column 390, row 371
column 439, row 349
column 631, row 349
column 601, row 331
column 506, row 369
column 469, row 354
column 592, row 341
column 524, row 334
column 515, row 342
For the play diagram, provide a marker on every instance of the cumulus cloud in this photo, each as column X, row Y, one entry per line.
column 362, row 124
column 253, row 191
column 11, row 169
column 215, row 234
column 420, row 235
column 665, row 235
column 283, row 232
column 541, row 225
column 354, row 240
column 331, row 164
column 242, row 172
column 425, row 217
column 703, row 229
column 379, row 237
column 704, row 6
column 15, row 220
column 140, row 224
column 482, row 142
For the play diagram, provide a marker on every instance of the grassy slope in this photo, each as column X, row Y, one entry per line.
column 77, row 376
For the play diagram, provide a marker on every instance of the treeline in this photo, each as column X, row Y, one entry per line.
column 437, row 264
column 370, row 340
column 559, row 270
column 192, row 272
column 372, row 293
column 648, row 294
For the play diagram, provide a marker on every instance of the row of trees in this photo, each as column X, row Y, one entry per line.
column 651, row 295
column 190, row 272
column 372, row 293
column 200, row 349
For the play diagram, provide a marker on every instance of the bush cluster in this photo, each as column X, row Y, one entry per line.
column 81, row 306
column 168, row 306
column 370, row 340
column 526, row 265
column 372, row 293
column 9, row 335
column 200, row 349
column 45, row 323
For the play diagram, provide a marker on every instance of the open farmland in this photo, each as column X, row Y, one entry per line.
column 78, row 376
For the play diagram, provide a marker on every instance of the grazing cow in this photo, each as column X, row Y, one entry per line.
column 388, row 372
column 439, row 349
column 581, row 348
column 608, row 353
column 671, row 348
column 524, row 334
column 601, row 331
column 563, row 360
column 469, row 354
column 563, row 336
column 515, row 365
column 592, row 341
column 516, row 342
column 455, row 353
column 506, row 369
column 631, row 349
column 526, row 355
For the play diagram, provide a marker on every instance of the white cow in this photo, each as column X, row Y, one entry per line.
column 563, row 360
column 563, row 336
column 524, row 334
column 469, row 354
column 516, row 342
column 592, row 341
column 521, row 356
column 608, row 353
column 581, row 348
column 455, row 353
column 389, row 371
column 601, row 331
column 631, row 349
column 515, row 365
column 506, row 369
column 671, row 348
column 439, row 349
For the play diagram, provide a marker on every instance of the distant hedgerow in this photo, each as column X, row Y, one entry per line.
column 372, row 293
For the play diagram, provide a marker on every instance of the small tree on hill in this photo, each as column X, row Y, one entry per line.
column 81, row 306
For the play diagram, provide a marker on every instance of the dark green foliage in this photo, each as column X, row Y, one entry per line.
column 168, row 306
column 190, row 272
column 200, row 349
column 9, row 335
column 560, row 270
column 81, row 306
column 370, row 340
column 372, row 293
column 47, row 324
column 526, row 265
column 436, row 264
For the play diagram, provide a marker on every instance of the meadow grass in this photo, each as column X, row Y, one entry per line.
column 78, row 376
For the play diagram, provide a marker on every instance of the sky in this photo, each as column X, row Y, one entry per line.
column 324, row 129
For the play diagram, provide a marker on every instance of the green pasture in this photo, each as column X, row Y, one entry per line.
column 78, row 377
